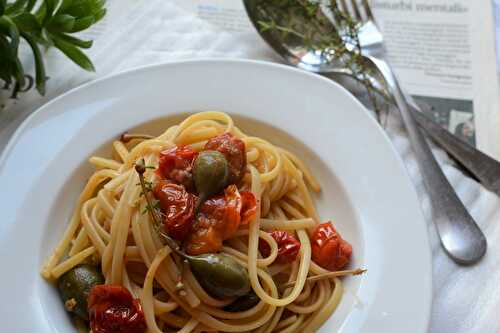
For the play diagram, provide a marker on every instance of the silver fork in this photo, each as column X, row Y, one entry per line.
column 460, row 236
column 299, row 53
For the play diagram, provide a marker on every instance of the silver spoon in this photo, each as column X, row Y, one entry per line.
column 481, row 166
column 460, row 236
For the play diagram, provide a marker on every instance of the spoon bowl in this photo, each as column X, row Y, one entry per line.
column 291, row 46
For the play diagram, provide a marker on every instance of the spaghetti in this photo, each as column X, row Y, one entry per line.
column 282, row 243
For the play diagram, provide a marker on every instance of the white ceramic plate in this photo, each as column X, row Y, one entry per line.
column 365, row 186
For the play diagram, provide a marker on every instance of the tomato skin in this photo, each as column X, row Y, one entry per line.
column 329, row 250
column 112, row 309
column 234, row 151
column 219, row 218
column 176, row 165
column 178, row 208
column 248, row 207
column 288, row 247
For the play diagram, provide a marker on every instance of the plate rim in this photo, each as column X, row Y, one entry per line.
column 11, row 144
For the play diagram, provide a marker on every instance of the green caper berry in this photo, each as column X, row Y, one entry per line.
column 210, row 172
column 75, row 285
column 220, row 275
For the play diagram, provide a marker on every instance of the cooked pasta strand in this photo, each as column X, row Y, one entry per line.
column 110, row 223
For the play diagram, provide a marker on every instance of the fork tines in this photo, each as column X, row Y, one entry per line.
column 357, row 9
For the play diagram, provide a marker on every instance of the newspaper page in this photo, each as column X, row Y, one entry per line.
column 443, row 52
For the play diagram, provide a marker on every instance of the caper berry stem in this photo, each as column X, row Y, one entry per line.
column 328, row 275
column 201, row 199
column 126, row 137
column 140, row 168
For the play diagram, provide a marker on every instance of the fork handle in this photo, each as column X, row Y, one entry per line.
column 459, row 234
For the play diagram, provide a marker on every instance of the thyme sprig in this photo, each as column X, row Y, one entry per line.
column 152, row 204
column 154, row 213
column 155, row 205
column 306, row 26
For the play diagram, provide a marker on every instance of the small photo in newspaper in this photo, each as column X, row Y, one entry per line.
column 456, row 115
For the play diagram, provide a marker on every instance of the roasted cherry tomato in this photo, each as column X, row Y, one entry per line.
column 248, row 207
column 288, row 247
column 176, row 165
column 234, row 151
column 329, row 250
column 218, row 219
column 112, row 309
column 177, row 206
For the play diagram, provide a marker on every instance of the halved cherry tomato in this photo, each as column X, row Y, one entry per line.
column 219, row 218
column 176, row 164
column 248, row 207
column 112, row 309
column 234, row 151
column 329, row 250
column 206, row 236
column 177, row 206
column 288, row 247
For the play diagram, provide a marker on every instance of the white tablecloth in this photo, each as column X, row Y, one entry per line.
column 466, row 299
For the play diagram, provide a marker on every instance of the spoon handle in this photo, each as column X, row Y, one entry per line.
column 483, row 167
column 459, row 234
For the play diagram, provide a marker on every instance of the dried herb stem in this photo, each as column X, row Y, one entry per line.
column 329, row 275
column 127, row 137
column 140, row 168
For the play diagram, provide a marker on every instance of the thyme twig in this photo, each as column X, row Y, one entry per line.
column 127, row 137
column 329, row 275
column 140, row 168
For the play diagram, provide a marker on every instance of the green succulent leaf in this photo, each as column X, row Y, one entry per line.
column 43, row 24
column 50, row 6
column 84, row 8
column 40, row 12
column 80, row 8
column 9, row 28
column 74, row 53
column 27, row 22
column 84, row 44
column 83, row 23
column 6, row 57
column 65, row 4
column 6, row 49
column 30, row 5
column 100, row 14
column 61, row 23
column 15, row 7
column 40, row 77
column 3, row 4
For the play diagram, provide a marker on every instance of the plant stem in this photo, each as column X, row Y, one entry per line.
column 126, row 137
column 329, row 275
column 140, row 168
